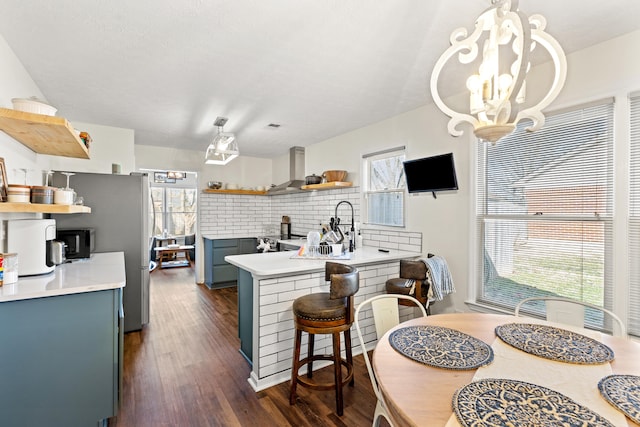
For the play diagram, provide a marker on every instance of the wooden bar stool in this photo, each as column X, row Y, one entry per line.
column 326, row 313
column 411, row 270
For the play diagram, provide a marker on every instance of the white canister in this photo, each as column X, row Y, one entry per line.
column 64, row 197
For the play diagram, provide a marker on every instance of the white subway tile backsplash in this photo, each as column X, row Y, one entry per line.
column 290, row 296
column 268, row 319
column 269, row 299
column 268, row 339
column 306, row 283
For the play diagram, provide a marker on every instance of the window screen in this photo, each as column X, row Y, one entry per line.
column 545, row 207
column 634, row 217
column 384, row 186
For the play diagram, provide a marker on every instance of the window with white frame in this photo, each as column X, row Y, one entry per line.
column 634, row 217
column 173, row 206
column 545, row 209
column 384, row 187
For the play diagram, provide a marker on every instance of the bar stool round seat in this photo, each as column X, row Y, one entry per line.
column 326, row 313
column 318, row 307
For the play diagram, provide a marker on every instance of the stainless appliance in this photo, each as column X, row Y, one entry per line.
column 31, row 239
column 80, row 242
column 119, row 217
column 56, row 254
column 285, row 230
column 296, row 173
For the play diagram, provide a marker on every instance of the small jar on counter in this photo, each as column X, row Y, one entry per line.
column 8, row 268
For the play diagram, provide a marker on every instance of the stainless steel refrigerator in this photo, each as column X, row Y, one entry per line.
column 119, row 215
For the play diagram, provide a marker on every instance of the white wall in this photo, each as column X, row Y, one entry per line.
column 447, row 223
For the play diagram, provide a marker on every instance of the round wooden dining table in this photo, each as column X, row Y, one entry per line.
column 420, row 395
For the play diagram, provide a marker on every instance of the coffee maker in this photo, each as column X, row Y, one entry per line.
column 31, row 239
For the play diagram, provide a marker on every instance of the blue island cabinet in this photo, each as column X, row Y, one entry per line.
column 60, row 359
column 217, row 272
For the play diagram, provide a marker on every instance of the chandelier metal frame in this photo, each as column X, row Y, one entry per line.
column 497, row 91
column 224, row 146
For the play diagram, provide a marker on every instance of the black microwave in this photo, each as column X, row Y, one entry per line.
column 80, row 242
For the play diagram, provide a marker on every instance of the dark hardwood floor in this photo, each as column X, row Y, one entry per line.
column 184, row 369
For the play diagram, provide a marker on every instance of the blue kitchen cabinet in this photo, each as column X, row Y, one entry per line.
column 217, row 272
column 60, row 359
column 245, row 314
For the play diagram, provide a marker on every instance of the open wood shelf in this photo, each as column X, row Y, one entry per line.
column 43, row 134
column 327, row 185
column 42, row 208
column 249, row 192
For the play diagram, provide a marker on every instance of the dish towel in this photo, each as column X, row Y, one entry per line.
column 441, row 280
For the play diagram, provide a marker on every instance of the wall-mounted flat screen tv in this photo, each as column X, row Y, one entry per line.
column 431, row 174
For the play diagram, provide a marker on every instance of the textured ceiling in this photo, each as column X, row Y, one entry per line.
column 318, row 68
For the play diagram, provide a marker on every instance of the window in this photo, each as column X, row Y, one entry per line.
column 173, row 207
column 384, row 187
column 545, row 208
column 634, row 217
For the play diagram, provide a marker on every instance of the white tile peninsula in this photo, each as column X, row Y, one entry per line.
column 267, row 285
column 61, row 352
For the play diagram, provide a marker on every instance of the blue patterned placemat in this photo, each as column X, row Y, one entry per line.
column 500, row 402
column 441, row 347
column 623, row 392
column 554, row 343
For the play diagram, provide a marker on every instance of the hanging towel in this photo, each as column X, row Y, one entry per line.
column 442, row 282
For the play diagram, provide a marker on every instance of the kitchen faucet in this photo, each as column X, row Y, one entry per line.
column 352, row 237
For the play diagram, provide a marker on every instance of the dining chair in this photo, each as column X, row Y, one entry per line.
column 571, row 312
column 386, row 315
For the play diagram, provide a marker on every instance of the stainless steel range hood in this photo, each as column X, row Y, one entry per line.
column 296, row 174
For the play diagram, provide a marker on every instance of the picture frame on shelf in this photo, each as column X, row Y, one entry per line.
column 4, row 189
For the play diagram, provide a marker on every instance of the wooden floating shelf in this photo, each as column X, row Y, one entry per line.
column 246, row 192
column 43, row 208
column 327, row 185
column 43, row 134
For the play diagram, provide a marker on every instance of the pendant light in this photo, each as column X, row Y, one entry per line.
column 497, row 87
column 224, row 146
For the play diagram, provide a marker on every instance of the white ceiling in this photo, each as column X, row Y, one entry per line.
column 320, row 68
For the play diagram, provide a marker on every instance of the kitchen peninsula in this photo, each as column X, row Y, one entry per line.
column 267, row 285
column 61, row 352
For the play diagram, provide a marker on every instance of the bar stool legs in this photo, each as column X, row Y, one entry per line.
column 338, row 381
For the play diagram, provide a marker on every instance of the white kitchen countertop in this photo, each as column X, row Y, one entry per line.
column 274, row 264
column 102, row 271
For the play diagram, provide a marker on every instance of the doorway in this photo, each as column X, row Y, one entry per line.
column 173, row 215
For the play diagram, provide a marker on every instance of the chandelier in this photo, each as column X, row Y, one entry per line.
column 224, row 147
column 497, row 87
